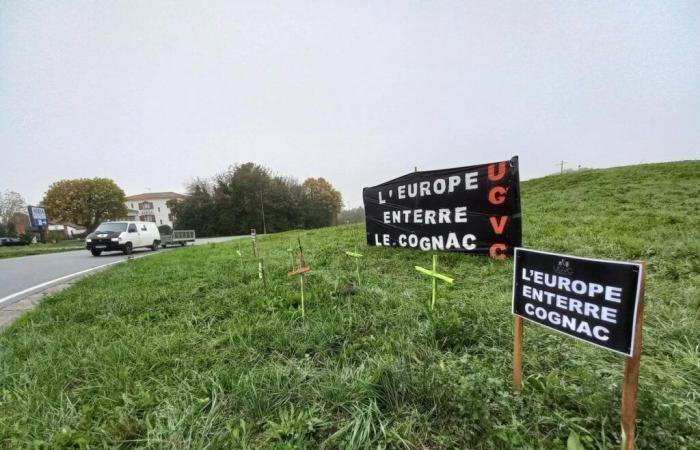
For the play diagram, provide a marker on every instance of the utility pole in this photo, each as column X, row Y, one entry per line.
column 562, row 167
column 262, row 206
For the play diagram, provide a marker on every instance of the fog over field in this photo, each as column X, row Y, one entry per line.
column 154, row 93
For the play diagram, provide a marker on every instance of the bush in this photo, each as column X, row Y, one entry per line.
column 56, row 235
column 165, row 230
column 8, row 230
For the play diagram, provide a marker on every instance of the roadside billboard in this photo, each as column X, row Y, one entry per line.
column 37, row 216
column 473, row 209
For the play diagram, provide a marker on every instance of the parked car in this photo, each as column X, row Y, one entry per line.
column 8, row 241
column 123, row 236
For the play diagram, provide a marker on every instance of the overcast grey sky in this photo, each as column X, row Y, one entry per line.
column 153, row 93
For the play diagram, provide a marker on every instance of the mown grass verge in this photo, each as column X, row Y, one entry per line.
column 186, row 350
column 41, row 249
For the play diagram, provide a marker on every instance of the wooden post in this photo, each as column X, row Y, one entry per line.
column 303, row 268
column 631, row 382
column 301, row 281
column 253, row 236
column 518, row 354
column 261, row 272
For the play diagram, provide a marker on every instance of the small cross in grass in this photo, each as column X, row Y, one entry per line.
column 435, row 276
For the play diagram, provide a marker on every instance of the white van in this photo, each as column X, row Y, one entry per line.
column 123, row 236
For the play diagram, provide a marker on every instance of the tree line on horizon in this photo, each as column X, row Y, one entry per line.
column 250, row 196
column 231, row 202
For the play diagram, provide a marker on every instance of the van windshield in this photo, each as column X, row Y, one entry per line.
column 112, row 226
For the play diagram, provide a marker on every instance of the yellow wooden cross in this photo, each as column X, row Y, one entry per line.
column 435, row 276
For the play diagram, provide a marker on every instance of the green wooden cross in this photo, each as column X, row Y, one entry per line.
column 240, row 256
column 357, row 257
column 436, row 276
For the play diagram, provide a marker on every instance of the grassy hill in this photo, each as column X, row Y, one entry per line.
column 187, row 350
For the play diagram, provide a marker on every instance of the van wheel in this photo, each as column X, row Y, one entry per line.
column 155, row 246
column 96, row 252
column 128, row 248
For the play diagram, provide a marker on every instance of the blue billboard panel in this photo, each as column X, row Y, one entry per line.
column 37, row 216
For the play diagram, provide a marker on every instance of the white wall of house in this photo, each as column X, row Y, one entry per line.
column 68, row 230
column 152, row 210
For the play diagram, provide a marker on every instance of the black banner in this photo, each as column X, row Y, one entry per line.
column 472, row 209
column 590, row 299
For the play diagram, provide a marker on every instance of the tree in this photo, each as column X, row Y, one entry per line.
column 233, row 201
column 237, row 195
column 323, row 203
column 196, row 212
column 85, row 201
column 10, row 203
column 165, row 229
column 354, row 215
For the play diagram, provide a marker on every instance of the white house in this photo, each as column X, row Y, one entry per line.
column 69, row 230
column 152, row 207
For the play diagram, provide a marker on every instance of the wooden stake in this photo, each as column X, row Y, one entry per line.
column 261, row 272
column 301, row 281
column 518, row 354
column 290, row 250
column 253, row 237
column 303, row 268
column 631, row 382
column 432, row 304
column 357, row 263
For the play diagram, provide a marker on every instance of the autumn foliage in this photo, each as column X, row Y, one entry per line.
column 85, row 201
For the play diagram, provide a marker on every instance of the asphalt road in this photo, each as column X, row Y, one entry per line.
column 25, row 275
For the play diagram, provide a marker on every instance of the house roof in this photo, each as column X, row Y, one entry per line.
column 156, row 196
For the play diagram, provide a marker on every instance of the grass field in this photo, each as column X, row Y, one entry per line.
column 40, row 249
column 187, row 350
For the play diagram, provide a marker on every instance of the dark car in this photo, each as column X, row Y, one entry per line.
column 8, row 241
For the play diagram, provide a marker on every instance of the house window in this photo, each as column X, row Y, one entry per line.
column 161, row 221
column 132, row 205
column 159, row 209
column 145, row 205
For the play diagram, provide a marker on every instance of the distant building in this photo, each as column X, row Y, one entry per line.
column 68, row 229
column 20, row 221
column 152, row 207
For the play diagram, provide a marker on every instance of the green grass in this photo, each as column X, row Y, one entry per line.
column 41, row 249
column 186, row 350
